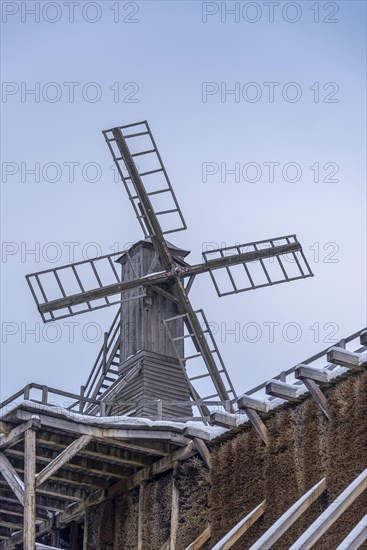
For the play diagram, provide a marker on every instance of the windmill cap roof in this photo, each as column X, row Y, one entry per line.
column 147, row 243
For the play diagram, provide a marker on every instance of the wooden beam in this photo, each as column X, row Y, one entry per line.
column 247, row 402
column 201, row 539
column 12, row 478
column 240, row 529
column 345, row 358
column 356, row 537
column 282, row 390
column 29, row 525
column 17, row 433
column 317, row 396
column 203, row 451
column 274, row 533
column 321, row 376
column 332, row 513
column 174, row 515
column 363, row 338
column 62, row 458
column 258, row 424
column 225, row 420
column 140, row 515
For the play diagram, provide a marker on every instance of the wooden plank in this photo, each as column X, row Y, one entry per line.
column 201, row 539
column 356, row 537
column 332, row 513
column 29, row 528
column 203, row 452
column 62, row 458
column 345, row 358
column 363, row 338
column 274, row 533
column 282, row 390
column 317, row 395
column 258, row 424
column 17, row 433
column 247, row 402
column 174, row 514
column 225, row 420
column 321, row 376
column 240, row 529
column 11, row 476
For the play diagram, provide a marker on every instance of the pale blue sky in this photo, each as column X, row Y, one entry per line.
column 168, row 54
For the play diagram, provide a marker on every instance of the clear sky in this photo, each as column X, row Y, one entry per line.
column 279, row 82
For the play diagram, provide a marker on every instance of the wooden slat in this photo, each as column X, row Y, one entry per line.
column 203, row 452
column 225, row 420
column 201, row 539
column 62, row 458
column 274, row 533
column 321, row 376
column 238, row 530
column 174, row 515
column 332, row 513
column 140, row 515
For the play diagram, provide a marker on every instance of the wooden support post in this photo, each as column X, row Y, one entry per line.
column 258, row 424
column 29, row 490
column 73, row 537
column 349, row 359
column 317, row 395
column 16, row 434
column 269, row 538
column 203, row 451
column 140, row 515
column 174, row 514
column 248, row 402
column 332, row 513
column 240, row 529
column 289, row 392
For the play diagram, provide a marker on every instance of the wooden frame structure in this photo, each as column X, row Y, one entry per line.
column 70, row 462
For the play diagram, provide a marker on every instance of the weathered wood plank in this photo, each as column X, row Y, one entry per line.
column 356, row 537
column 320, row 376
column 225, row 420
column 345, row 358
column 274, row 533
column 363, row 338
column 247, row 402
column 332, row 513
column 240, row 529
column 62, row 458
column 12, row 478
column 201, row 539
column 282, row 390
column 29, row 490
column 140, row 515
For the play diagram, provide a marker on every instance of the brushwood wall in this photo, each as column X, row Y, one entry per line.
column 303, row 449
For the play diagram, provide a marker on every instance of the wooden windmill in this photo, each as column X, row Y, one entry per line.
column 144, row 358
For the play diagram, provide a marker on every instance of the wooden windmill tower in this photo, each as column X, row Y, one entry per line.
column 144, row 359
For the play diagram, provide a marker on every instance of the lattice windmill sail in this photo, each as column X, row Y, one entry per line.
column 157, row 335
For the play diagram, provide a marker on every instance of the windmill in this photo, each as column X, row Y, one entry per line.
column 144, row 359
